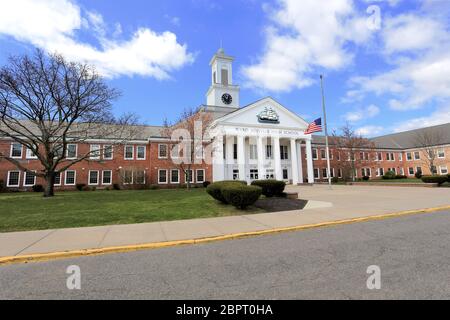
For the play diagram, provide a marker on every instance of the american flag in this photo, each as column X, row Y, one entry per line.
column 315, row 126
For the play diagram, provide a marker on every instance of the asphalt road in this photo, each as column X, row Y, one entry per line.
column 413, row 254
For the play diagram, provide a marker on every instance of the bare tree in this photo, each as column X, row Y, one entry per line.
column 188, row 139
column 354, row 145
column 426, row 140
column 47, row 102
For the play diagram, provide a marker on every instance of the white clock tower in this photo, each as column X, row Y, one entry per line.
column 222, row 92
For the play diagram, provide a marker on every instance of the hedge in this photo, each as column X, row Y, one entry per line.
column 239, row 195
column 270, row 187
column 215, row 189
column 389, row 175
column 435, row 179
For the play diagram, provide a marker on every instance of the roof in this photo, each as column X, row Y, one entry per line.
column 438, row 135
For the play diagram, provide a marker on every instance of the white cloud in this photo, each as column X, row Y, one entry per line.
column 362, row 113
column 146, row 53
column 369, row 131
column 440, row 116
column 305, row 36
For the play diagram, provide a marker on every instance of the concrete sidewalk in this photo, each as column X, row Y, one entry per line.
column 339, row 203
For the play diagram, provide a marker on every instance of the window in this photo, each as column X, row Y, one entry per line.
column 416, row 155
column 323, row 154
column 107, row 177
column 58, row 179
column 316, row 173
column 224, row 76
column 140, row 177
column 409, row 156
column 381, row 170
column 94, row 152
column 175, row 153
column 285, row 174
column 235, row 151
column 29, row 154
column 363, row 172
column 13, row 178
column 107, row 152
column 140, row 152
column 314, row 154
column 411, row 171
column 235, row 174
column 127, row 177
column 189, row 176
column 339, row 173
column 284, row 152
column 433, row 170
column 253, row 174
column 269, row 151
column 443, row 169
column 402, row 171
column 419, row 169
column 379, row 156
column 338, row 156
column 129, row 153
column 269, row 174
column 16, row 150
column 324, row 173
column 400, row 156
column 200, row 175
column 441, row 153
column 332, row 172
column 162, row 151
column 390, row 156
column 70, row 178
column 93, row 177
column 361, row 155
column 162, row 176
column 58, row 151
column 393, row 170
column 253, row 152
column 71, row 152
column 174, row 176
column 29, row 180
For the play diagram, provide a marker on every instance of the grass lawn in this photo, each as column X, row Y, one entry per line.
column 30, row 211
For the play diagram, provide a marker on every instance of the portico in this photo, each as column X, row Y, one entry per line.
column 246, row 148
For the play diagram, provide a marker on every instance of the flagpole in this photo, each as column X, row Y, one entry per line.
column 326, row 133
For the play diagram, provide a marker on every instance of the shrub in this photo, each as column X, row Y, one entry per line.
column 239, row 195
column 270, row 187
column 116, row 186
column 38, row 188
column 215, row 189
column 435, row 179
column 400, row 176
column 206, row 184
column 418, row 174
column 80, row 186
column 366, row 178
column 389, row 175
column 334, row 180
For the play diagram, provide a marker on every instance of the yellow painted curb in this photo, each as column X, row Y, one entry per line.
column 156, row 245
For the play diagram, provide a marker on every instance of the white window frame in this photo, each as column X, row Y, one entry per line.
column 196, row 175
column 418, row 170
column 89, row 178
column 137, row 152
column 125, row 152
column 325, row 176
column 400, row 156
column 254, row 174
column 21, row 151
column 402, row 171
column 159, row 176
column 440, row 170
column 76, row 151
column 136, row 179
column 318, row 173
column 8, row 183
column 409, row 171
column 103, row 178
column 253, row 152
column 124, row 177
column 25, row 179
column 178, row 175
column 415, row 155
column 60, row 179
column 74, row 178
column 29, row 154
column 339, row 172
column 317, row 154
column 159, row 151
column 192, row 176
column 112, row 151
column 92, row 151
column 410, row 156
column 443, row 153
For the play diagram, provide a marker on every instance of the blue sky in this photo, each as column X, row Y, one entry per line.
column 386, row 62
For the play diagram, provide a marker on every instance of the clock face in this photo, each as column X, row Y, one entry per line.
column 226, row 98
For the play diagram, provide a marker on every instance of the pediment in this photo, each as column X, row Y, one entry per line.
column 265, row 113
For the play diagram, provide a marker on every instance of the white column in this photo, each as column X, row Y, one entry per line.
column 229, row 157
column 294, row 162
column 218, row 163
column 309, row 161
column 300, row 162
column 241, row 157
column 277, row 158
column 260, row 148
